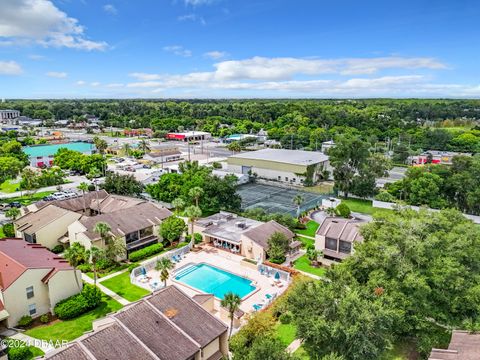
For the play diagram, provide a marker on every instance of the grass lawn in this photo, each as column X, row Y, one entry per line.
column 364, row 206
column 110, row 271
column 325, row 187
column 305, row 241
column 312, row 227
column 400, row 351
column 121, row 285
column 72, row 329
column 9, row 186
column 28, row 199
column 36, row 352
column 303, row 264
column 286, row 333
column 2, row 234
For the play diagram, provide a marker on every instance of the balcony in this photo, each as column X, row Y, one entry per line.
column 138, row 244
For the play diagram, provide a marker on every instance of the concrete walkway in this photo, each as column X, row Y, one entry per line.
column 45, row 346
column 294, row 346
column 106, row 291
column 111, row 275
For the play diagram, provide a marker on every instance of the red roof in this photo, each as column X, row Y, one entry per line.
column 17, row 256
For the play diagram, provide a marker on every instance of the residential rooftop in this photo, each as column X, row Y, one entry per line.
column 342, row 229
column 463, row 346
column 166, row 325
column 296, row 157
column 17, row 256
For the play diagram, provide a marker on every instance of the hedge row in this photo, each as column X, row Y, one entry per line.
column 76, row 305
column 145, row 252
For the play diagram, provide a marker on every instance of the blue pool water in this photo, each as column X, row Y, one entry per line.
column 212, row 280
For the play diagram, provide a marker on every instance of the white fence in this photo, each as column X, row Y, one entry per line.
column 389, row 205
column 271, row 271
column 151, row 263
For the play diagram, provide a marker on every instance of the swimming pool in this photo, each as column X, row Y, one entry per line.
column 212, row 280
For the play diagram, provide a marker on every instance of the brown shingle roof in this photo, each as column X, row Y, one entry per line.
column 34, row 221
column 75, row 204
column 342, row 229
column 188, row 315
column 260, row 234
column 463, row 346
column 72, row 352
column 113, row 203
column 202, row 298
column 125, row 221
column 17, row 256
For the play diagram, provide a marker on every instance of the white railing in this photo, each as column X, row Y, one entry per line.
column 150, row 264
column 272, row 272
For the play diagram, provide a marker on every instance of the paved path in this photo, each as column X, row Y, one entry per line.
column 45, row 346
column 106, row 291
column 112, row 275
column 294, row 346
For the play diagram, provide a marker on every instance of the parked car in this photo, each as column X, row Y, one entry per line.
column 48, row 198
column 146, row 166
column 15, row 204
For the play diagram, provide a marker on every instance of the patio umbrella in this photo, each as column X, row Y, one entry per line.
column 277, row 276
column 143, row 271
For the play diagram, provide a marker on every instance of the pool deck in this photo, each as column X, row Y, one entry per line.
column 231, row 263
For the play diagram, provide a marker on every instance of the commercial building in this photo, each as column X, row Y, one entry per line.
column 7, row 116
column 286, row 166
column 435, row 157
column 32, row 280
column 336, row 237
column 43, row 155
column 166, row 325
column 463, row 346
column 163, row 153
column 189, row 136
column 240, row 235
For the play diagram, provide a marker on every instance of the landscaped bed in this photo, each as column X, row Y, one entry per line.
column 306, row 242
column 286, row 333
column 59, row 330
column 363, row 206
column 311, row 229
column 122, row 286
column 28, row 199
column 303, row 264
column 9, row 186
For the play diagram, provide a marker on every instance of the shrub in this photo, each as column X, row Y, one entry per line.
column 133, row 266
column 299, row 225
column 44, row 318
column 103, row 264
column 76, row 305
column 84, row 268
column 385, row 196
column 91, row 187
column 182, row 244
column 145, row 252
column 25, row 320
column 198, row 238
column 343, row 210
column 19, row 353
column 57, row 249
column 216, row 165
column 188, row 238
column 285, row 318
column 8, row 230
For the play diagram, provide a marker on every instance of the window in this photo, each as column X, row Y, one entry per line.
column 32, row 309
column 30, row 292
column 146, row 232
column 286, row 178
column 131, row 237
column 345, row 247
column 30, row 238
column 331, row 244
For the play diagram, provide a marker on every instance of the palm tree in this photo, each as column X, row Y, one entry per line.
column 12, row 213
column 103, row 229
column 95, row 254
column 196, row 193
column 115, row 248
column 231, row 302
column 298, row 200
column 83, row 186
column 193, row 213
column 100, row 144
column 144, row 146
column 126, row 149
column 75, row 255
column 164, row 265
column 178, row 204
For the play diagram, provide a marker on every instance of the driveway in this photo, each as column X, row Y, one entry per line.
column 320, row 215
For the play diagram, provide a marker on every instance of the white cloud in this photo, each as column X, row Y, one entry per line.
column 199, row 2
column 10, row 68
column 192, row 17
column 115, row 85
column 95, row 84
column 110, row 9
column 178, row 50
column 215, row 55
column 57, row 74
column 36, row 57
column 80, row 83
column 145, row 76
column 41, row 22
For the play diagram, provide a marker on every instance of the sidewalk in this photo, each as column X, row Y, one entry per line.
column 294, row 346
column 106, row 291
column 43, row 345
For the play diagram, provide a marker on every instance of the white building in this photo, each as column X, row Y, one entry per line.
column 6, row 116
column 287, row 166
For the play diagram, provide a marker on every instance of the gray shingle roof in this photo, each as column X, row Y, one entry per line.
column 34, row 221
column 463, row 346
column 342, row 229
column 262, row 233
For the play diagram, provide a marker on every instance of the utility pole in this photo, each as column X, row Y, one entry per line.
column 291, row 141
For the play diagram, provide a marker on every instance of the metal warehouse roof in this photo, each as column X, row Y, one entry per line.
column 296, row 157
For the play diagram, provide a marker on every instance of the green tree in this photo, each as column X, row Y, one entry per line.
column 95, row 255
column 172, row 229
column 234, row 147
column 127, row 149
column 100, row 144
column 196, row 193
column 75, row 255
column 10, row 167
column 192, row 212
column 144, row 146
column 164, row 265
column 343, row 210
column 231, row 302
column 122, row 184
column 83, row 186
column 298, row 201
column 178, row 204
column 12, row 213
column 278, row 246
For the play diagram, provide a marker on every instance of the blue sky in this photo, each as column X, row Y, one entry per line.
column 239, row 48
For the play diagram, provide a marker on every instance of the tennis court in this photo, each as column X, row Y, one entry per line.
column 274, row 199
